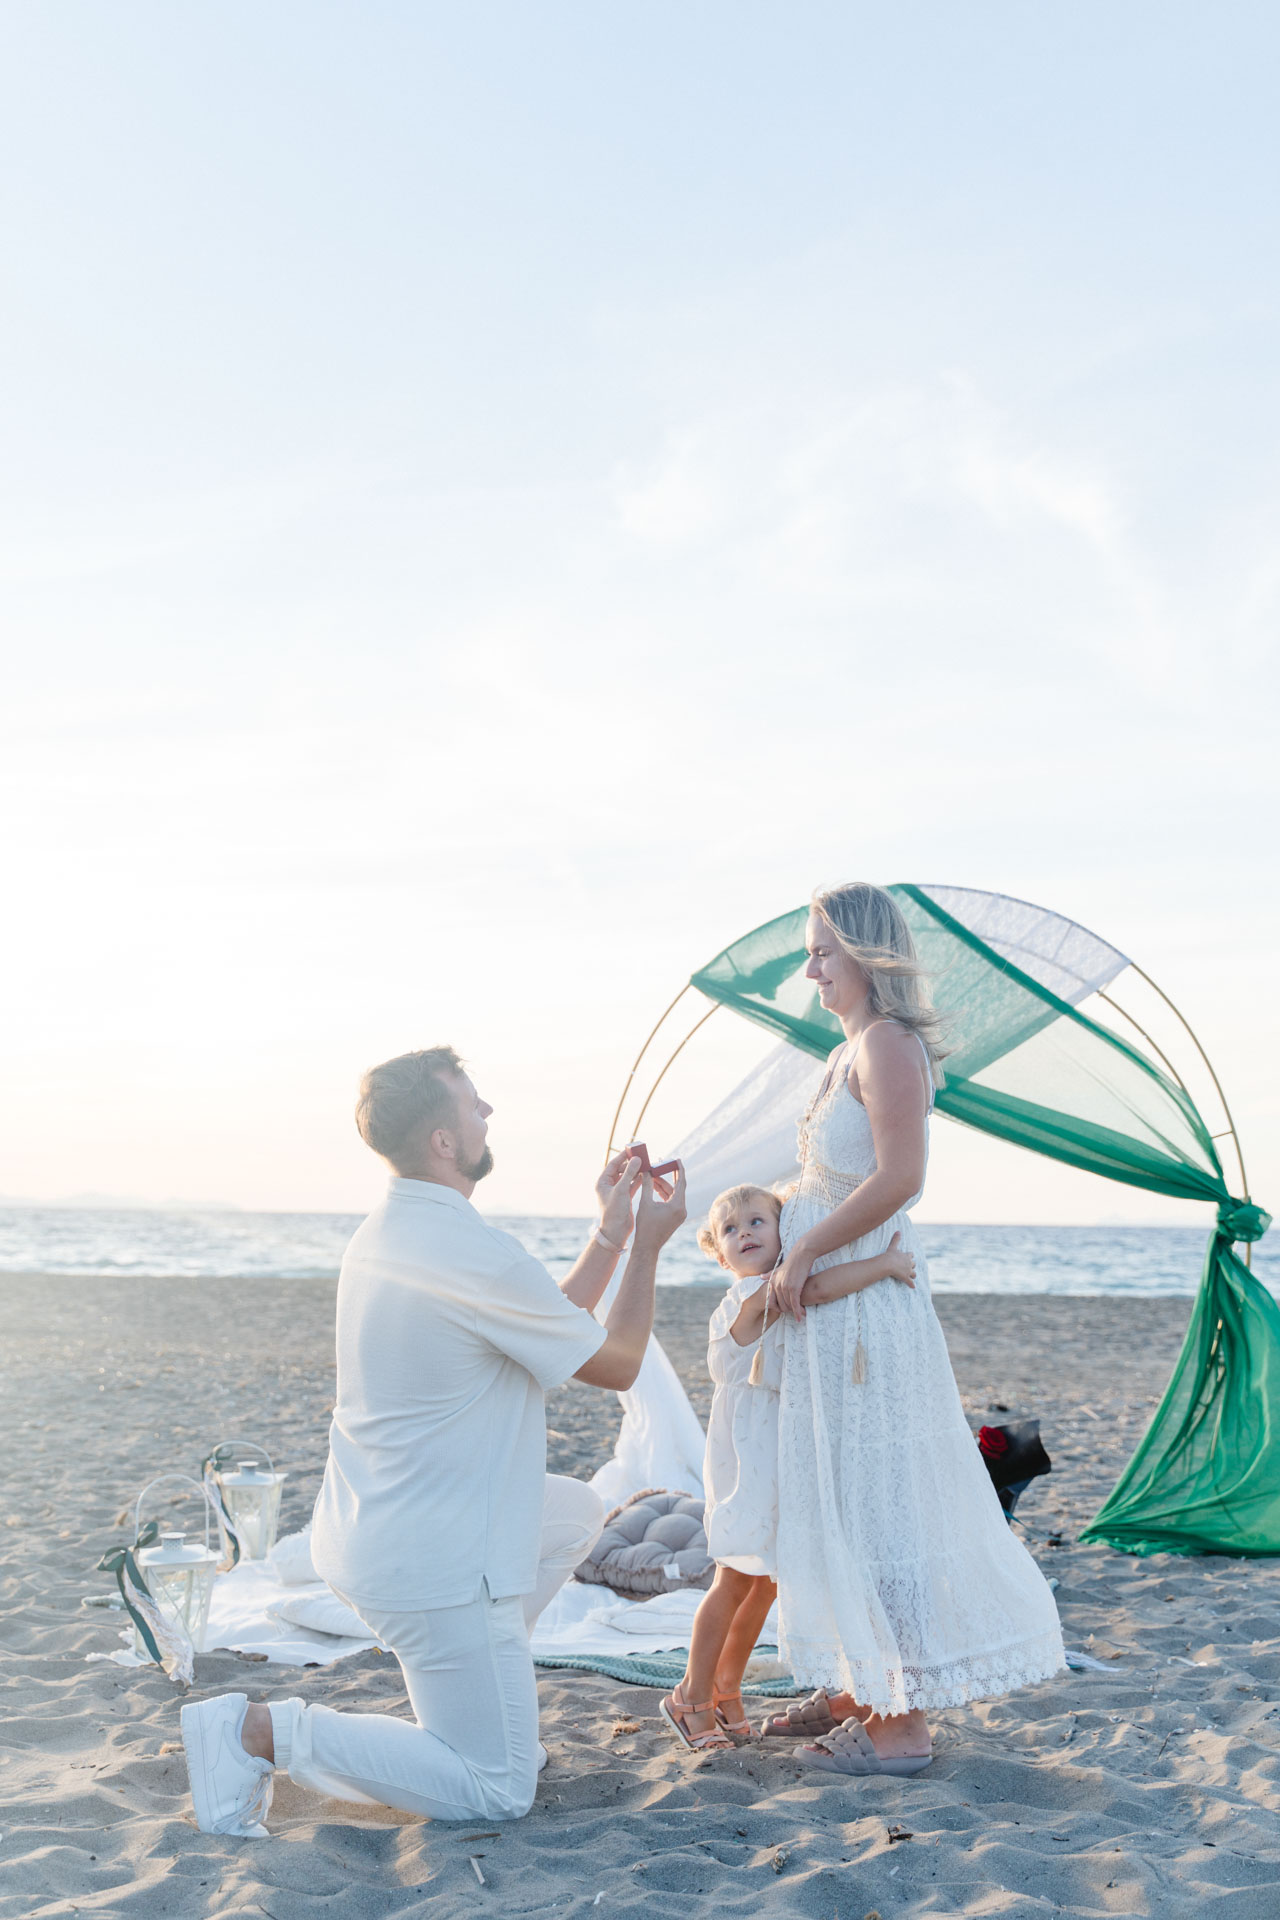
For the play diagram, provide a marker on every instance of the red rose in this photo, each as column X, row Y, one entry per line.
column 993, row 1441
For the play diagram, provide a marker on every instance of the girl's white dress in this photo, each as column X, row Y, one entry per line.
column 740, row 1469
column 901, row 1581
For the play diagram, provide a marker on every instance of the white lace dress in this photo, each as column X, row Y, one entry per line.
column 900, row 1580
column 740, row 1470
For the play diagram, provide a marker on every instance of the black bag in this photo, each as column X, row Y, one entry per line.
column 1014, row 1455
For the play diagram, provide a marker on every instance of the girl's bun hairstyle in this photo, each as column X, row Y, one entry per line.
column 868, row 925
column 709, row 1236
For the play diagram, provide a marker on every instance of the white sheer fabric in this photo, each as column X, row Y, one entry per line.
column 661, row 1442
column 900, row 1580
column 1059, row 953
column 751, row 1135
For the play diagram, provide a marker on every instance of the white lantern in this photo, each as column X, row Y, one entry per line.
column 178, row 1572
column 179, row 1576
column 249, row 1493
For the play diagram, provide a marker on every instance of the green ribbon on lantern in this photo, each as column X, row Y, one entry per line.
column 210, row 1468
column 122, row 1562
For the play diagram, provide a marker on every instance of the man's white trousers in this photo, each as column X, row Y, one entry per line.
column 470, row 1680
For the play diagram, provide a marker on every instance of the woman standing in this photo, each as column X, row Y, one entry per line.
column 902, row 1587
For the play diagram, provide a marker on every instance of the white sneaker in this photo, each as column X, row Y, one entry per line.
column 231, row 1788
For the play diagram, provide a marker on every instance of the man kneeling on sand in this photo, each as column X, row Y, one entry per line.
column 437, row 1521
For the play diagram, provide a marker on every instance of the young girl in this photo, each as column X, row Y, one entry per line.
column 740, row 1475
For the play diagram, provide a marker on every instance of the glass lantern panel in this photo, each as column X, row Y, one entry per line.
column 183, row 1594
column 253, row 1502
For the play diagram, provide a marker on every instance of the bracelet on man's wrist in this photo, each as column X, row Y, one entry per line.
column 598, row 1233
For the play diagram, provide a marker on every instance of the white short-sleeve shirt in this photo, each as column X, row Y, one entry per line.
column 449, row 1333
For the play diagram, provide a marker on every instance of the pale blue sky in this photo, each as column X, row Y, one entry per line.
column 499, row 500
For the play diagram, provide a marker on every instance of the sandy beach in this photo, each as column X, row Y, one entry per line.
column 1152, row 1787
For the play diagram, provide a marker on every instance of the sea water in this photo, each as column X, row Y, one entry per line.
column 156, row 1244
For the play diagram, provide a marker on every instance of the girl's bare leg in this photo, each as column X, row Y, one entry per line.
column 711, row 1626
column 739, row 1642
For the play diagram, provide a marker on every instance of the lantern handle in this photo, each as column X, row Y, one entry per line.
column 187, row 1481
column 255, row 1444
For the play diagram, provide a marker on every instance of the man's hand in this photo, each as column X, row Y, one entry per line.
column 615, row 1190
column 617, row 1363
column 656, row 1218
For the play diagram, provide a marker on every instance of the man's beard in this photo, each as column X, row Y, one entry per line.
column 477, row 1168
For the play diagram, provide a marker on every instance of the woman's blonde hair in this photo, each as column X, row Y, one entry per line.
column 868, row 925
column 709, row 1236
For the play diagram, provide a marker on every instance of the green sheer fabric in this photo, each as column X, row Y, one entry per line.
column 1030, row 1068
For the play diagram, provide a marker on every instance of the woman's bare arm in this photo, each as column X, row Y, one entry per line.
column 891, row 1087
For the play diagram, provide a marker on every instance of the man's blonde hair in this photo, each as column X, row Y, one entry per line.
column 709, row 1236
column 868, row 924
column 405, row 1098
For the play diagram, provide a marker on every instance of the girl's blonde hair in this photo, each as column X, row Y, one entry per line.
column 709, row 1236
column 868, row 925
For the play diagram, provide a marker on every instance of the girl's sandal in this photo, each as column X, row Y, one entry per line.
column 673, row 1709
column 736, row 1729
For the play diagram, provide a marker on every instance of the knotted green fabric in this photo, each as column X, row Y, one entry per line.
column 1030, row 1068
column 1241, row 1220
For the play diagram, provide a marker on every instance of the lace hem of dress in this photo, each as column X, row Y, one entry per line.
column 952, row 1683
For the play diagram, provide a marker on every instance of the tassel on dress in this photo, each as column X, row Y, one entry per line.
column 858, row 1372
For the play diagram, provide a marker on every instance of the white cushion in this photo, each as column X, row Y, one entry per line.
column 655, row 1542
column 290, row 1560
column 322, row 1611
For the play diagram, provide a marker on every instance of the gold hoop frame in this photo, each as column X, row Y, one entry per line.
column 635, row 1068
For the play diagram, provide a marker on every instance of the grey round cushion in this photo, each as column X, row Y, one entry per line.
column 654, row 1542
